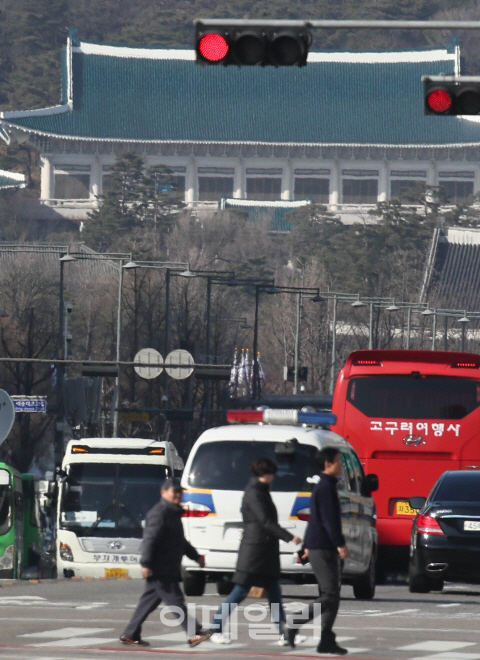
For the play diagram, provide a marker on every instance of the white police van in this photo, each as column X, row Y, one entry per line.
column 218, row 469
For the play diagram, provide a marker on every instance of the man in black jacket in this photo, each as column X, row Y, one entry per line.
column 325, row 548
column 163, row 547
column 258, row 561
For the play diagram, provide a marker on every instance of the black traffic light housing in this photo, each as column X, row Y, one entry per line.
column 451, row 97
column 247, row 45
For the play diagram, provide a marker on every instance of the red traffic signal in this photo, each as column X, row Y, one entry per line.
column 452, row 98
column 245, row 45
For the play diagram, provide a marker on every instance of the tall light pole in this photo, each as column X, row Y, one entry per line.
column 464, row 320
column 212, row 277
column 61, row 250
column 111, row 258
column 300, row 292
column 170, row 267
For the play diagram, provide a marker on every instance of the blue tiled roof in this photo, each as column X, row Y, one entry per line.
column 136, row 94
column 455, row 279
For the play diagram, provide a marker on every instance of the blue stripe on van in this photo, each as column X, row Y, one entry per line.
column 301, row 502
column 199, row 497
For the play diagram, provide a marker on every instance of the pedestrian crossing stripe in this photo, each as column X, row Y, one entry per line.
column 173, row 642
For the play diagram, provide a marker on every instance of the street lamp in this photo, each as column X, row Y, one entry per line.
column 301, row 292
column 168, row 267
column 267, row 286
column 63, row 251
column 109, row 257
column 212, row 277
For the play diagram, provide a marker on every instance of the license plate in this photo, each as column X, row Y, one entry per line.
column 116, row 572
column 471, row 525
column 404, row 509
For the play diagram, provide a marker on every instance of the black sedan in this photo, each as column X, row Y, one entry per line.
column 445, row 542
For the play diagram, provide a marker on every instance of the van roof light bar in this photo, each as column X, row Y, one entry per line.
column 275, row 416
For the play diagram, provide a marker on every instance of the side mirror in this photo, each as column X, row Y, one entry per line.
column 371, row 484
column 417, row 502
column 60, row 475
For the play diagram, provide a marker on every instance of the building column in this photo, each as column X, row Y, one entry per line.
column 432, row 174
column 46, row 181
column 287, row 181
column 190, row 178
column 96, row 178
column 383, row 182
column 336, row 182
column 238, row 179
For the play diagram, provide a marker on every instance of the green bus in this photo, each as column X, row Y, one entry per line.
column 11, row 522
column 22, row 529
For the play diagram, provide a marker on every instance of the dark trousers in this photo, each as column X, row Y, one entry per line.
column 239, row 593
column 326, row 567
column 157, row 591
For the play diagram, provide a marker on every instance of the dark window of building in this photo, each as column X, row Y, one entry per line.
column 359, row 191
column 72, row 186
column 213, row 188
column 457, row 191
column 399, row 188
column 264, row 188
column 309, row 188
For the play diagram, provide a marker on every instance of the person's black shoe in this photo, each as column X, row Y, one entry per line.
column 290, row 634
column 332, row 648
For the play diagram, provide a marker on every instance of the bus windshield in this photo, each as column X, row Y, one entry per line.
column 226, row 465
column 110, row 500
column 414, row 396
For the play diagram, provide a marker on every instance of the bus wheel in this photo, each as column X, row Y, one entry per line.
column 194, row 583
column 364, row 586
column 224, row 587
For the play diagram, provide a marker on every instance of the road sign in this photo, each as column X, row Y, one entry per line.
column 29, row 404
column 150, row 363
column 7, row 415
column 177, row 357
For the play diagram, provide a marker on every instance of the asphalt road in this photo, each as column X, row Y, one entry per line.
column 70, row 619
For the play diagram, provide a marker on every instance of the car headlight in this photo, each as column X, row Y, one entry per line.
column 65, row 552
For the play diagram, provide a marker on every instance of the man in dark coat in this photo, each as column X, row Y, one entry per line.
column 325, row 548
column 258, row 561
column 163, row 547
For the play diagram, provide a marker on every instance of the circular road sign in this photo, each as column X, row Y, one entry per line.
column 179, row 357
column 150, row 363
column 7, row 415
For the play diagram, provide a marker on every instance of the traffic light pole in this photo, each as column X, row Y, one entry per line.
column 342, row 24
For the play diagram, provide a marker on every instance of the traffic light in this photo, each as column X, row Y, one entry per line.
column 452, row 98
column 244, row 45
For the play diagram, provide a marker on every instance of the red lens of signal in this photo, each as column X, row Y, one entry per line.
column 213, row 47
column 439, row 101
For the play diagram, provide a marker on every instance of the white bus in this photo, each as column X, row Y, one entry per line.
column 107, row 485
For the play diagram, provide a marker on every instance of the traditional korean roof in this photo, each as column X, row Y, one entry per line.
column 12, row 180
column 131, row 94
column 454, row 281
column 273, row 213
